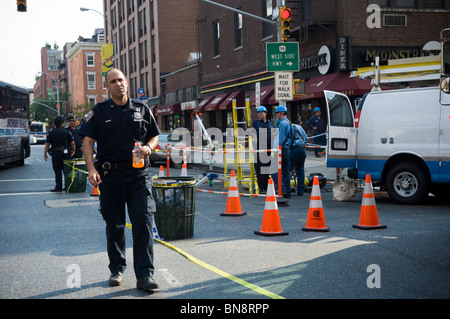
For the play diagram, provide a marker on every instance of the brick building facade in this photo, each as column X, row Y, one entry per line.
column 335, row 38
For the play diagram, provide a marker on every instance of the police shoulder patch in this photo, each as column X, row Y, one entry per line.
column 89, row 115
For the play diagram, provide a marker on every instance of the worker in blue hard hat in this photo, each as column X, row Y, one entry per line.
column 263, row 127
column 315, row 124
column 285, row 141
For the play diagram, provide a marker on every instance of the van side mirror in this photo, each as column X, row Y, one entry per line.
column 446, row 58
column 445, row 67
column 445, row 85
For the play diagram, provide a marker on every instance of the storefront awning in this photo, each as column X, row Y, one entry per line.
column 168, row 109
column 339, row 82
column 265, row 92
column 200, row 106
column 215, row 102
column 226, row 104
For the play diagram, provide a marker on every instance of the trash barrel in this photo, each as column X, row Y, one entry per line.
column 175, row 206
column 75, row 175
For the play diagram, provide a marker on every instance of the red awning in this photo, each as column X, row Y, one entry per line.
column 339, row 82
column 215, row 102
column 265, row 92
column 168, row 109
column 200, row 106
column 227, row 103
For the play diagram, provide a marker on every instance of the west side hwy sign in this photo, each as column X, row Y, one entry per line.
column 282, row 56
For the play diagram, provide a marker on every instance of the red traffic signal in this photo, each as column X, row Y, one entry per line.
column 285, row 18
column 285, row 13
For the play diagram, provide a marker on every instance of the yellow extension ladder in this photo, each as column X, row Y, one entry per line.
column 240, row 152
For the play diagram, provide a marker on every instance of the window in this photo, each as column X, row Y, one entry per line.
column 238, row 30
column 394, row 20
column 267, row 13
column 90, row 61
column 92, row 100
column 406, row 3
column 216, row 37
column 433, row 4
column 91, row 80
column 340, row 110
column 381, row 3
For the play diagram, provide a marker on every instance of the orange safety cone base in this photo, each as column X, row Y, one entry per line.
column 233, row 214
column 95, row 192
column 325, row 229
column 283, row 233
column 370, row 227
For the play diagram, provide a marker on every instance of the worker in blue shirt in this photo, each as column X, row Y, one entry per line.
column 285, row 141
column 315, row 124
column 298, row 156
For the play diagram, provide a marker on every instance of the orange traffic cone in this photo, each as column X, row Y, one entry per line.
column 271, row 219
column 184, row 170
column 369, row 216
column 316, row 217
column 161, row 171
column 233, row 207
column 95, row 192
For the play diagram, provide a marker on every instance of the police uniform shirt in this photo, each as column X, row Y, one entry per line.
column 59, row 138
column 117, row 128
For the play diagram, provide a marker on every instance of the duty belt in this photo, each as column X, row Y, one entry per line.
column 106, row 167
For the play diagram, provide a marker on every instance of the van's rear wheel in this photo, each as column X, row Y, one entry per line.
column 407, row 183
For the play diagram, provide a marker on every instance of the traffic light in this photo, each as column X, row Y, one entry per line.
column 285, row 19
column 22, row 5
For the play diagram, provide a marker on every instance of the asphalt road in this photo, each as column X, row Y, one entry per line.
column 52, row 246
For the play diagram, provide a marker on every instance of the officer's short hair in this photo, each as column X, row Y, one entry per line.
column 59, row 120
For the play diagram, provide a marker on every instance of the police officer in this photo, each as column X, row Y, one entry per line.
column 116, row 124
column 72, row 128
column 285, row 141
column 298, row 156
column 263, row 127
column 62, row 146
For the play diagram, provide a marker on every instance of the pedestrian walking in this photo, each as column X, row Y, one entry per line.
column 298, row 156
column 60, row 145
column 72, row 128
column 285, row 141
column 315, row 124
column 263, row 127
column 116, row 125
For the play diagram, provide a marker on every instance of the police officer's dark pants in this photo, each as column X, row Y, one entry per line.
column 262, row 170
column 298, row 157
column 132, row 188
column 58, row 167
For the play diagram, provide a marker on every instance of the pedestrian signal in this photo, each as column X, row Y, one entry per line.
column 285, row 19
column 22, row 5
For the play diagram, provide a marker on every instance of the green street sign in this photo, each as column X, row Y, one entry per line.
column 282, row 56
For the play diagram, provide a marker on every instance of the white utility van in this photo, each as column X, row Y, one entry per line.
column 400, row 137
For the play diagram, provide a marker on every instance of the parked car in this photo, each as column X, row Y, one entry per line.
column 176, row 155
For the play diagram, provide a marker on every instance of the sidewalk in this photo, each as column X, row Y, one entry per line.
column 312, row 165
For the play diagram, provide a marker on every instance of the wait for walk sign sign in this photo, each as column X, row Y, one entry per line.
column 284, row 86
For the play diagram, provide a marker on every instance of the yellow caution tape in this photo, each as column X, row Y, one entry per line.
column 218, row 271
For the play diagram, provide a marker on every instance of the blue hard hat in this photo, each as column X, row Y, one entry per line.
column 316, row 109
column 261, row 109
column 281, row 108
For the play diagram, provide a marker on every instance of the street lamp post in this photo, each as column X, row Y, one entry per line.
column 58, row 107
column 111, row 27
